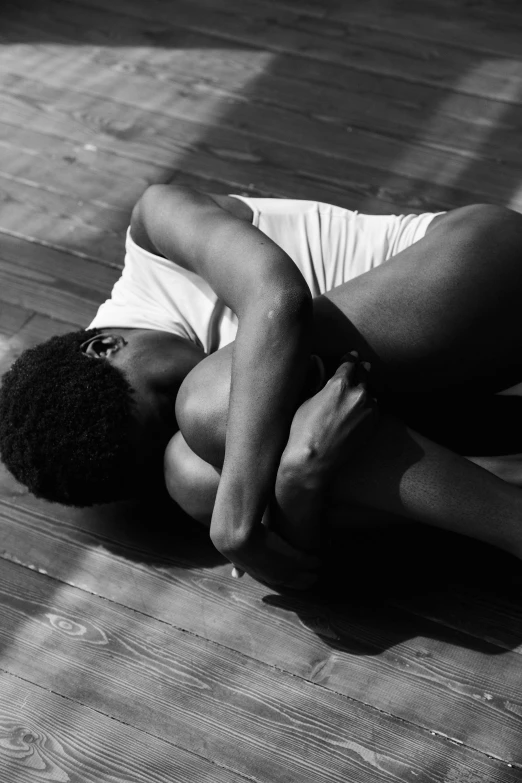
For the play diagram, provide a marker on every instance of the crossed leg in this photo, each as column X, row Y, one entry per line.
column 442, row 314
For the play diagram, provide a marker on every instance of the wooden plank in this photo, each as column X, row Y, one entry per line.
column 36, row 329
column 71, row 169
column 37, row 213
column 250, row 718
column 45, row 736
column 484, row 27
column 415, row 670
column 84, row 276
column 22, row 289
column 399, row 157
column 237, row 157
column 371, row 50
column 492, row 613
column 225, row 157
column 50, row 282
column 12, row 318
column 328, row 93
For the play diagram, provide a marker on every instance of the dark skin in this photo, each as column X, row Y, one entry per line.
column 341, row 457
column 379, row 314
column 270, row 354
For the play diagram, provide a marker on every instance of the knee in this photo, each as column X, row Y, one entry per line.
column 201, row 415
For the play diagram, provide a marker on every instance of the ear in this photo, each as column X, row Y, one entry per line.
column 103, row 346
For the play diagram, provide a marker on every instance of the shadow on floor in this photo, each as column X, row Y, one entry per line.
column 266, row 143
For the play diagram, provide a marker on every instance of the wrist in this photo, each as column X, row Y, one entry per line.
column 301, row 469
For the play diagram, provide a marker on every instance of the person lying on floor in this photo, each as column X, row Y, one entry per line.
column 431, row 301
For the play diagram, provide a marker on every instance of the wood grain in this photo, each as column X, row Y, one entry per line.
column 47, row 737
column 132, row 654
column 43, row 279
column 440, row 165
column 378, row 655
column 12, row 318
column 369, row 49
column 39, row 213
column 86, row 174
column 254, row 719
column 34, row 330
column 196, row 62
column 275, row 168
column 491, row 27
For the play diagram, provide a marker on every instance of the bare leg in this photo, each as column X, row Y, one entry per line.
column 398, row 472
column 442, row 315
column 445, row 312
column 401, row 472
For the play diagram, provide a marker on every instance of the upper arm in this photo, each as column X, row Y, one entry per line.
column 237, row 260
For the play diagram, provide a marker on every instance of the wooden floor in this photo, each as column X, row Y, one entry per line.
column 127, row 653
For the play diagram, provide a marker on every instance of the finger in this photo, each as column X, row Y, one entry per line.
column 350, row 356
column 361, row 374
column 237, row 573
column 347, row 371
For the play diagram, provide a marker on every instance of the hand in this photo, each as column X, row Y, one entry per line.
column 275, row 563
column 332, row 424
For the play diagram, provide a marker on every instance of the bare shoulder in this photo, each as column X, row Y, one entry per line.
column 161, row 202
column 173, row 220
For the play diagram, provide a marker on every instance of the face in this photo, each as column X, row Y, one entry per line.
column 155, row 364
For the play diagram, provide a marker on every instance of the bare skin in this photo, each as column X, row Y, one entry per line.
column 263, row 286
column 435, row 320
column 393, row 317
column 396, row 470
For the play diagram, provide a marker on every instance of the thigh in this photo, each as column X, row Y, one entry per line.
column 444, row 312
column 190, row 481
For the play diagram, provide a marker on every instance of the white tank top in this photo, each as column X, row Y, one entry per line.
column 330, row 245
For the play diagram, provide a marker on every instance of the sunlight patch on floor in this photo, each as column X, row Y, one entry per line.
column 463, row 140
column 199, row 82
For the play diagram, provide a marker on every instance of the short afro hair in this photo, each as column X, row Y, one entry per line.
column 66, row 423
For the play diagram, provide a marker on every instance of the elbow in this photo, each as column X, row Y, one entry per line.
column 230, row 544
column 288, row 305
column 295, row 301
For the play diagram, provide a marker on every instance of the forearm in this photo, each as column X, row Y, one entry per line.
column 271, row 356
column 327, row 428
